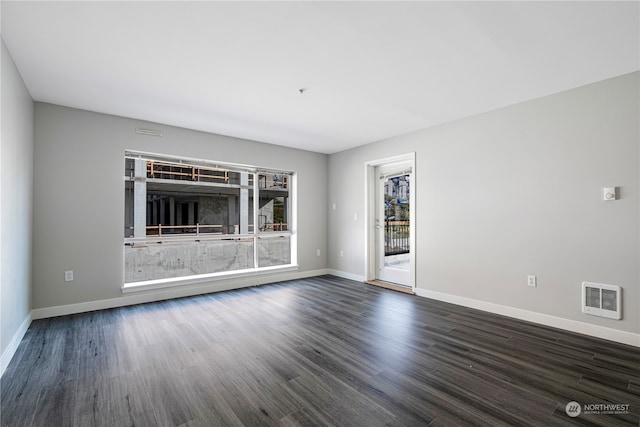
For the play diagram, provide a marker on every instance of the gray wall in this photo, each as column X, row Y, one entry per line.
column 516, row 192
column 16, row 201
column 79, row 196
column 502, row 195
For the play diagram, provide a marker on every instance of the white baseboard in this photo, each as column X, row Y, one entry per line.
column 345, row 275
column 170, row 293
column 10, row 351
column 616, row 335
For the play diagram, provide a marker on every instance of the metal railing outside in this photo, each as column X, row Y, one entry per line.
column 397, row 237
column 174, row 171
column 204, row 229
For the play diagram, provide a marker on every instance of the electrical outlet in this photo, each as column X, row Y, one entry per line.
column 532, row 281
column 341, row 253
column 68, row 276
column 318, row 252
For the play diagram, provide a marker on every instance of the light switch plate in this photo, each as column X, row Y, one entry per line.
column 609, row 194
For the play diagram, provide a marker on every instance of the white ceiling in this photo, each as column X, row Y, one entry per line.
column 372, row 70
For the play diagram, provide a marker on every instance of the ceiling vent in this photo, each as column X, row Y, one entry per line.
column 602, row 300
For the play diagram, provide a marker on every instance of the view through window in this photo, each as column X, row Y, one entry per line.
column 186, row 217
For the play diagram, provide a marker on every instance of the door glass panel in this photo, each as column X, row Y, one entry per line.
column 397, row 225
column 393, row 223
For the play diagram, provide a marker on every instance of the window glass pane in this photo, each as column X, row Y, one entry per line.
column 274, row 202
column 185, row 218
column 149, row 260
column 274, row 250
column 163, row 198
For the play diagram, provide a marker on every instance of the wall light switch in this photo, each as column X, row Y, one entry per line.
column 609, row 194
column 532, row 281
column 68, row 276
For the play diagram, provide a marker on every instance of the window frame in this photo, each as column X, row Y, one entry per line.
column 256, row 234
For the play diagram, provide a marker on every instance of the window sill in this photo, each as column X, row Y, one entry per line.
column 203, row 278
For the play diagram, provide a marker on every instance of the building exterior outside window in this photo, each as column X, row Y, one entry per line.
column 186, row 218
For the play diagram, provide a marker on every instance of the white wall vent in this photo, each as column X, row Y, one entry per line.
column 602, row 300
column 151, row 132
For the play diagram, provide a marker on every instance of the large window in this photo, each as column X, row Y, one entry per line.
column 187, row 218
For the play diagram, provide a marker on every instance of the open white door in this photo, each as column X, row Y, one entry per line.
column 390, row 221
column 393, row 226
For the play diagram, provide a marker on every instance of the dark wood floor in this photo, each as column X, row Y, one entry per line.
column 321, row 351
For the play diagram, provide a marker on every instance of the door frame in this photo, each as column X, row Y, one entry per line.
column 371, row 186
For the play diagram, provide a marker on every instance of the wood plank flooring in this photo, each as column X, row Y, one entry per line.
column 320, row 351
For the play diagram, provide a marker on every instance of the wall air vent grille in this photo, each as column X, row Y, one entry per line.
column 150, row 132
column 602, row 300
